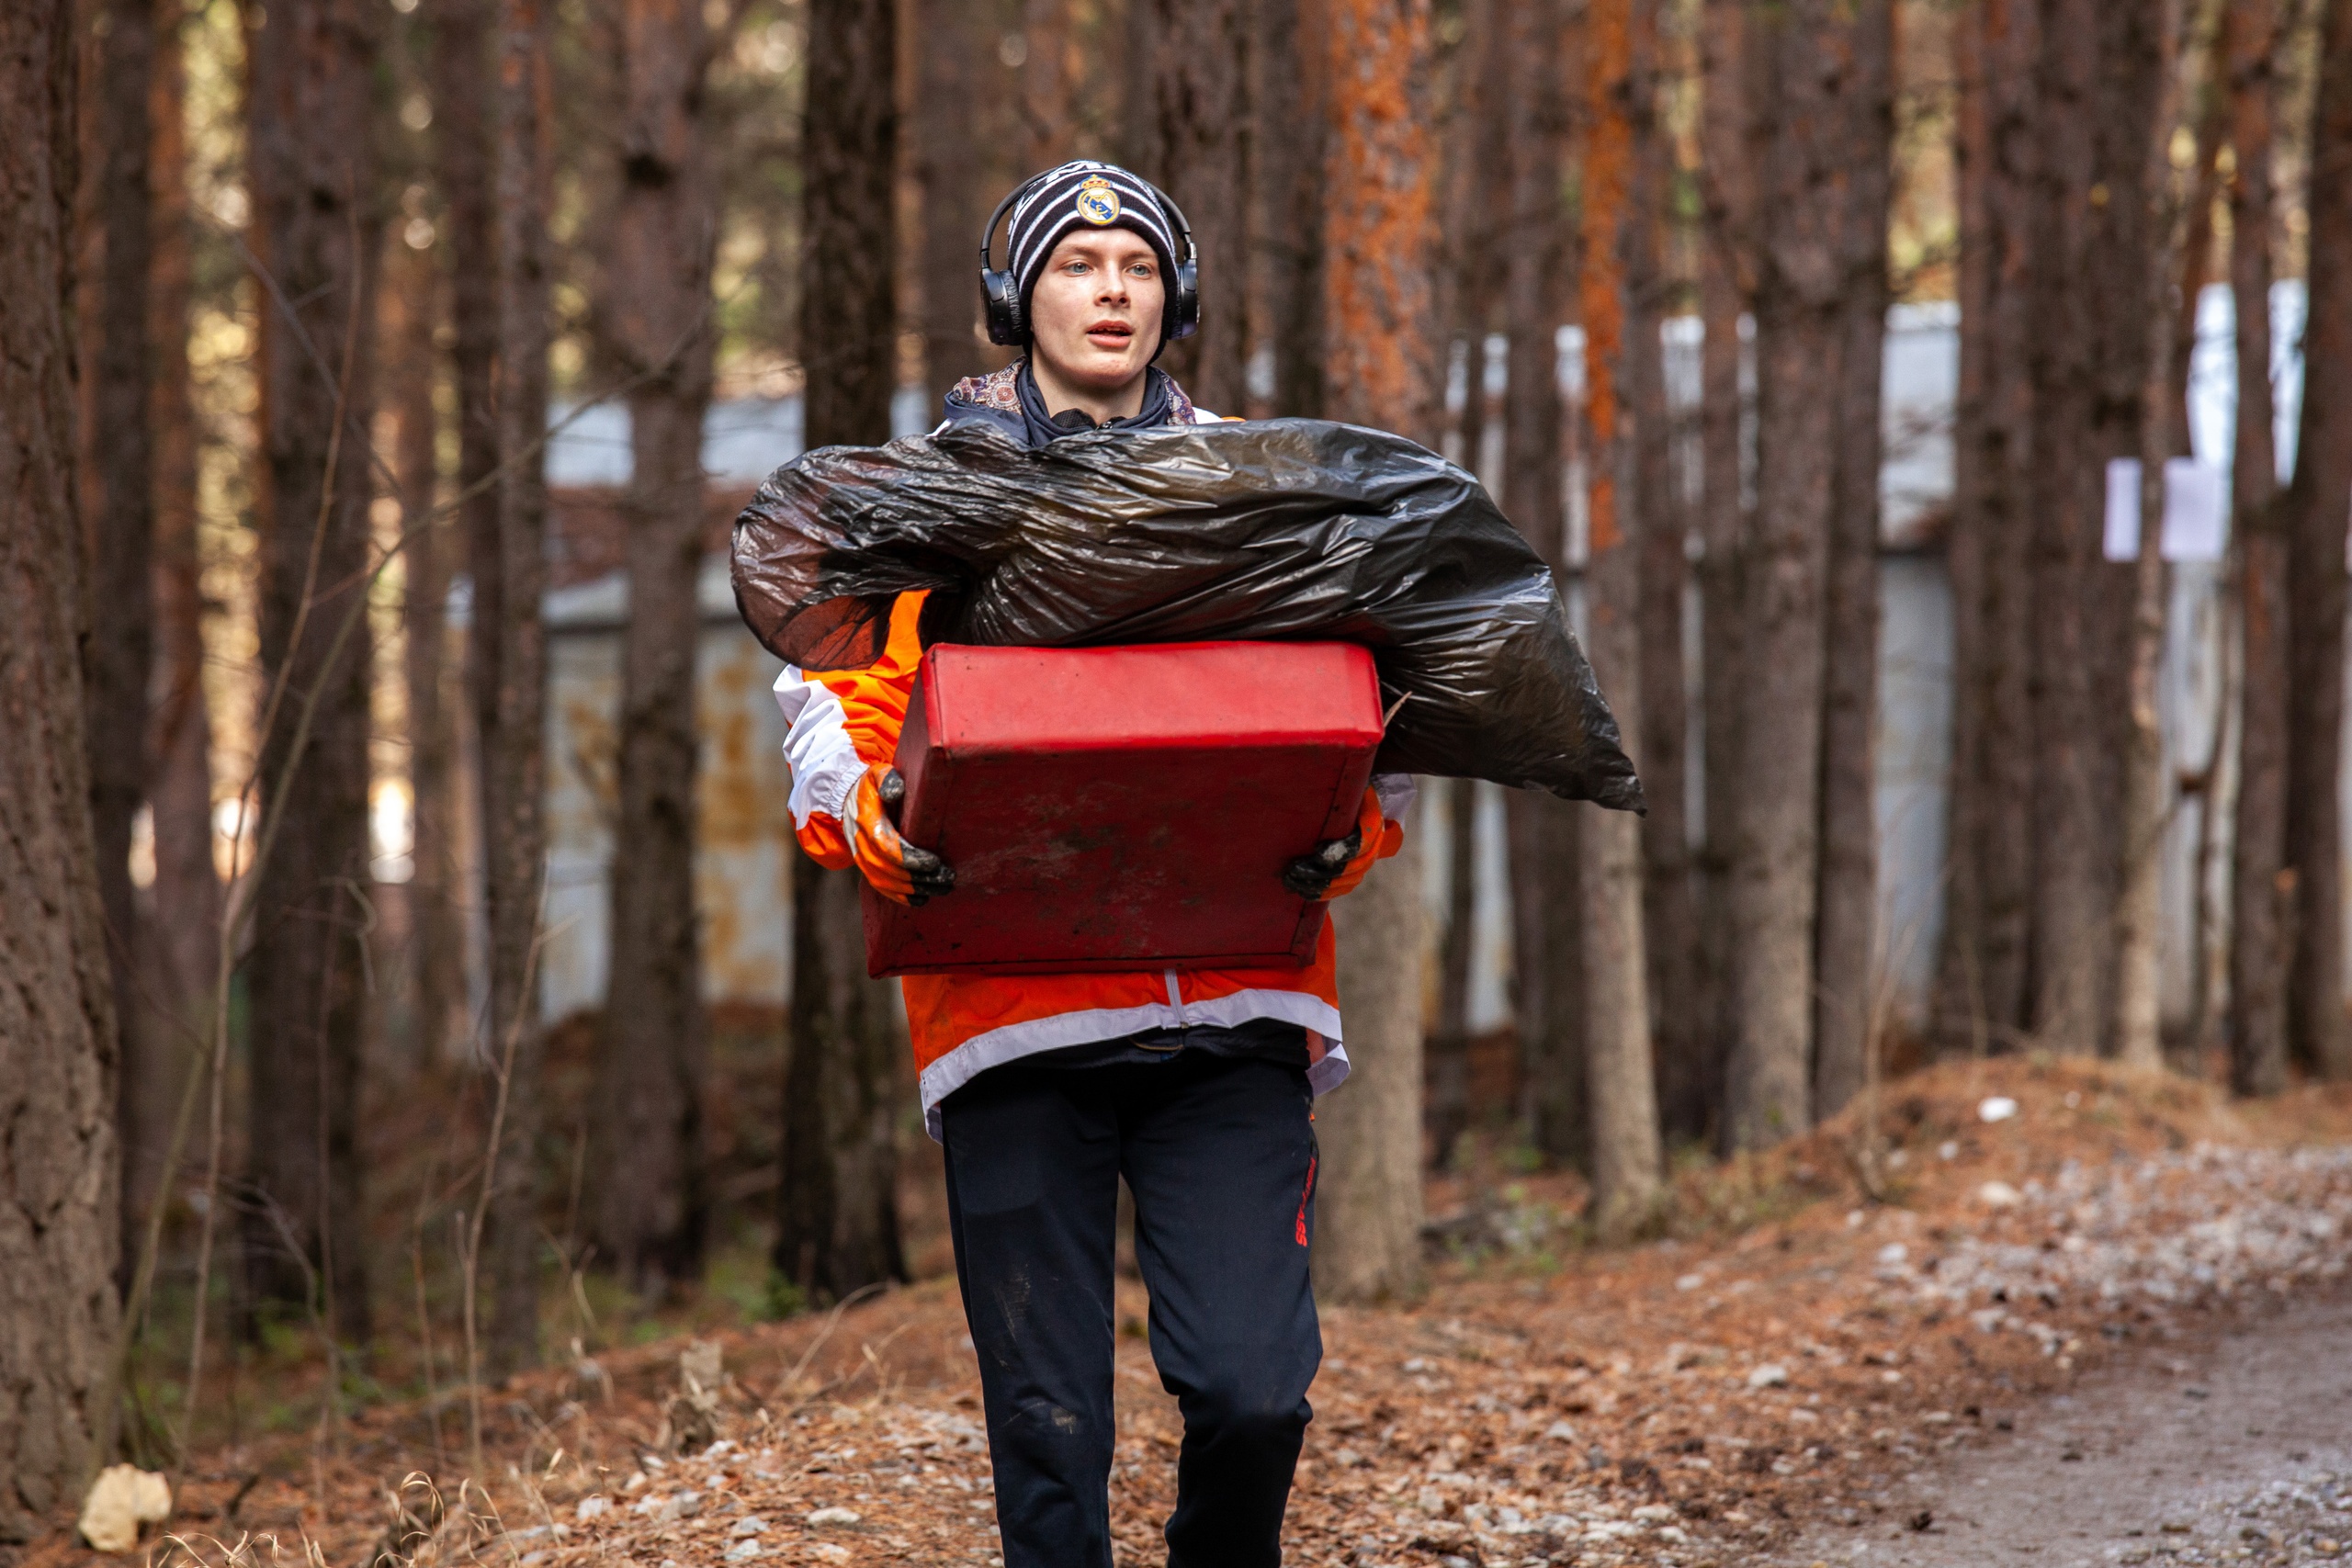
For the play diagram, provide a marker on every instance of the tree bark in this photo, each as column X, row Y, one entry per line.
column 1691, row 1102
column 1618, row 287
column 1670, row 930
column 59, row 1186
column 652, row 1211
column 2261, row 908
column 1537, row 283
column 509, row 670
column 1983, row 986
column 1368, row 1190
column 1448, row 1047
column 436, row 957
column 2098, row 84
column 840, row 1231
column 1045, row 89
column 1805, row 50
column 1845, row 943
column 1473, row 132
column 183, row 919
column 309, row 94
column 1197, row 141
column 1293, row 130
column 2315, row 506
column 953, row 164
column 1378, row 326
column 2146, row 794
column 119, row 531
column 836, row 1228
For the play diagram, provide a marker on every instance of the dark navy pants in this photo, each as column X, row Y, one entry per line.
column 1219, row 1152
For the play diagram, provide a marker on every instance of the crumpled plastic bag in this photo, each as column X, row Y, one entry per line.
column 1269, row 529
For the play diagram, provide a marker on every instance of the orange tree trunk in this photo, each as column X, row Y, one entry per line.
column 1379, row 333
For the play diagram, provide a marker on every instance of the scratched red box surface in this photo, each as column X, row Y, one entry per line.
column 1125, row 808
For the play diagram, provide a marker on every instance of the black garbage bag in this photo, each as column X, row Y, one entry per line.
column 1270, row 529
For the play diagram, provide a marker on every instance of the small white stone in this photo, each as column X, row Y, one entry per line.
column 593, row 1507
column 1999, row 1195
column 1996, row 1108
column 749, row 1524
column 1771, row 1374
column 821, row 1517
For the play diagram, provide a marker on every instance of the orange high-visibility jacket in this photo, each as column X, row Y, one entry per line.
column 963, row 1024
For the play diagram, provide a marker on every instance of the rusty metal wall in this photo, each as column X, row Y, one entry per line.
column 742, row 865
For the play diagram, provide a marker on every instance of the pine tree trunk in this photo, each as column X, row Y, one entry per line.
column 1537, row 284
column 1846, row 929
column 1982, row 982
column 1044, row 87
column 1197, row 144
column 1448, row 1047
column 1291, row 129
column 651, row 1211
column 953, row 165
column 1691, row 1102
column 308, row 106
column 1800, row 343
column 509, row 677
column 1475, row 136
column 59, row 1186
column 120, row 529
column 2098, row 84
column 435, row 956
column 2315, row 505
column 1368, row 1187
column 2260, row 909
column 836, row 1228
column 1618, row 285
column 1669, row 911
column 2145, row 796
column 1378, row 326
column 183, row 919
column 841, row 1231
column 466, row 147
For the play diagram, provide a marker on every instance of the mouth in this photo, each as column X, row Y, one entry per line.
column 1113, row 335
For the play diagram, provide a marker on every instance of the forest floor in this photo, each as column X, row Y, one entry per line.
column 1820, row 1357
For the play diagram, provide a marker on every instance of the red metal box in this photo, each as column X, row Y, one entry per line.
column 1125, row 808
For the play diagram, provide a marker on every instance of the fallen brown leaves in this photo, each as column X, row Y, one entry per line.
column 1787, row 1351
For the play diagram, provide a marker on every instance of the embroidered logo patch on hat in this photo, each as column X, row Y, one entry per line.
column 1097, row 202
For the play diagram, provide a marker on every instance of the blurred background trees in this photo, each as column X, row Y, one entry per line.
column 426, row 349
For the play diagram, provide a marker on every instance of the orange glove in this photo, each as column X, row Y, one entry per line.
column 1337, row 865
column 897, row 869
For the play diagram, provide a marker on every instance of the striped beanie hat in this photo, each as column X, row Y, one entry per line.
column 1086, row 194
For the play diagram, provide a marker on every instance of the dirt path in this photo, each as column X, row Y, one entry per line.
column 2238, row 1450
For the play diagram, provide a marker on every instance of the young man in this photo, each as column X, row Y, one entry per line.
column 1196, row 1086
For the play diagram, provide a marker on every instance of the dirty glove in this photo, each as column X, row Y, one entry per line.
column 897, row 869
column 1337, row 865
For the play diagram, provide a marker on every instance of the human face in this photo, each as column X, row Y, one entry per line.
column 1094, row 319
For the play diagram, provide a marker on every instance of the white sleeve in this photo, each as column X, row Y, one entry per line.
column 825, row 763
column 1397, row 791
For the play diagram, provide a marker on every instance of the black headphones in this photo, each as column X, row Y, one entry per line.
column 1002, row 289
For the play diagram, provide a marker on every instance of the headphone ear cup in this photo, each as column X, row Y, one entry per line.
column 1185, row 307
column 1002, row 295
